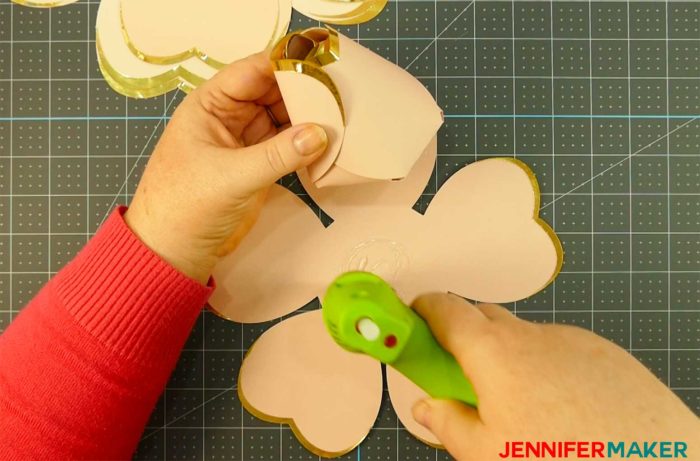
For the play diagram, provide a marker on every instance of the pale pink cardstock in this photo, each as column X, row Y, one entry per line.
column 481, row 237
column 297, row 375
column 171, row 31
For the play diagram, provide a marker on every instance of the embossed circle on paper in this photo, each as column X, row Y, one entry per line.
column 381, row 256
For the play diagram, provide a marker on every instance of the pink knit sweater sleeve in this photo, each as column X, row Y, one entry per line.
column 83, row 364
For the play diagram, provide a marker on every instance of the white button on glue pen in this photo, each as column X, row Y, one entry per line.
column 368, row 329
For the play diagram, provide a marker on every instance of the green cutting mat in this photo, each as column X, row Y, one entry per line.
column 601, row 99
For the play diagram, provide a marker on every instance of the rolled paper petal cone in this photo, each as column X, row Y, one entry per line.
column 267, row 276
column 216, row 31
column 129, row 75
column 389, row 116
column 43, row 3
column 340, row 11
column 299, row 89
column 296, row 374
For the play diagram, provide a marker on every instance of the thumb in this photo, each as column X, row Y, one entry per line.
column 262, row 164
column 452, row 422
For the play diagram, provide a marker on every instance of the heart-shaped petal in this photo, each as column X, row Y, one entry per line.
column 129, row 75
column 171, row 31
column 487, row 214
column 139, row 75
column 295, row 374
column 266, row 276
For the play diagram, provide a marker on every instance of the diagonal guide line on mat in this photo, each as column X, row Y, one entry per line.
column 440, row 34
column 629, row 157
column 188, row 412
column 136, row 162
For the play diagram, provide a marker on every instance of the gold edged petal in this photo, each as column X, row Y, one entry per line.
column 340, row 12
column 135, row 28
column 132, row 77
column 490, row 208
column 295, row 374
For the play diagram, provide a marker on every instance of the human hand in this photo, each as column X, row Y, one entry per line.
column 543, row 383
column 206, row 181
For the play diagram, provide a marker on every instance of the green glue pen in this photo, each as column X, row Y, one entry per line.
column 363, row 314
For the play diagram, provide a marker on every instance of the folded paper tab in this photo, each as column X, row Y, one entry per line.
column 378, row 116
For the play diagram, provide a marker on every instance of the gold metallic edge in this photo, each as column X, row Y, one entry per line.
column 146, row 87
column 322, row 57
column 38, row 4
column 290, row 421
column 365, row 12
column 193, row 52
column 310, row 68
column 541, row 222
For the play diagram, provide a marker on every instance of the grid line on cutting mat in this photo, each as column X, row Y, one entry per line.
column 538, row 80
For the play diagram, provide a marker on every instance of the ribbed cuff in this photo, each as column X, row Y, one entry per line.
column 126, row 296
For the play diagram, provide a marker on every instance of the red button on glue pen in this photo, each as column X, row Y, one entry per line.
column 390, row 341
column 364, row 314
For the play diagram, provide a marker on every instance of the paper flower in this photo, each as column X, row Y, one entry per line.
column 149, row 47
column 481, row 238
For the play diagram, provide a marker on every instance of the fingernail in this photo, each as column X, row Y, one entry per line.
column 421, row 413
column 310, row 140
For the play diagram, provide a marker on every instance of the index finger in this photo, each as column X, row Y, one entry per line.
column 251, row 80
column 454, row 322
column 468, row 332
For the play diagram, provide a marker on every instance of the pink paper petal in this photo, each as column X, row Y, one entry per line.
column 266, row 276
column 404, row 394
column 295, row 374
column 491, row 243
